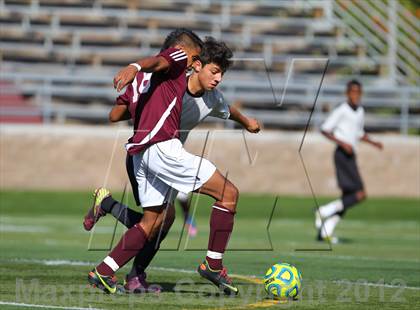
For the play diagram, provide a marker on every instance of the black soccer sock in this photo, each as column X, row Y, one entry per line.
column 107, row 204
column 349, row 200
column 145, row 256
column 121, row 212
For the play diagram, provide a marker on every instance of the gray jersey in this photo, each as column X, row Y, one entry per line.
column 196, row 109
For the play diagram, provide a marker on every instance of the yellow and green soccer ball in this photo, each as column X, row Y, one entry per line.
column 283, row 281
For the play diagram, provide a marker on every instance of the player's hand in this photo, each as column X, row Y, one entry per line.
column 378, row 145
column 253, row 126
column 347, row 148
column 124, row 77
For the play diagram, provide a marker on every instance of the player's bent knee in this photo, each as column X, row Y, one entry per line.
column 231, row 194
column 146, row 228
column 361, row 195
column 155, row 230
column 230, row 197
column 152, row 220
column 153, row 233
column 235, row 193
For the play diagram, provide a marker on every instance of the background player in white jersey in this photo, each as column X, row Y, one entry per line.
column 201, row 100
column 345, row 127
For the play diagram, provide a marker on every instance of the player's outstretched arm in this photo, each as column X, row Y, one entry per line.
column 119, row 113
column 149, row 64
column 367, row 139
column 345, row 146
column 250, row 124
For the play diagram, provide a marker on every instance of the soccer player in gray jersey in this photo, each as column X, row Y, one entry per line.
column 200, row 101
column 345, row 127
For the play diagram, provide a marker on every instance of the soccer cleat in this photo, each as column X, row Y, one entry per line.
column 139, row 285
column 218, row 278
column 96, row 212
column 108, row 284
column 332, row 239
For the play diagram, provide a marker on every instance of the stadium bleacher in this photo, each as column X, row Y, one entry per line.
column 66, row 53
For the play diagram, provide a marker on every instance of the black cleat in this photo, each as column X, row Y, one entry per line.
column 218, row 278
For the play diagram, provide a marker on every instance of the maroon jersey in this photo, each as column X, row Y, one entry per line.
column 155, row 102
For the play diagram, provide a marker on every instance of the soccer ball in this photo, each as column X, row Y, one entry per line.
column 283, row 281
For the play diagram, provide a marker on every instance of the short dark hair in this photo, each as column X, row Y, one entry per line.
column 354, row 82
column 216, row 52
column 182, row 36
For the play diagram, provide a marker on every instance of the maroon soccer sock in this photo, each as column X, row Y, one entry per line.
column 221, row 226
column 130, row 244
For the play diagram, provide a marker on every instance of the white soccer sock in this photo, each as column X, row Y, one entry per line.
column 331, row 208
column 329, row 226
column 182, row 197
column 214, row 255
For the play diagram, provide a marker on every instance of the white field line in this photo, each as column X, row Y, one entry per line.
column 252, row 278
column 376, row 284
column 18, row 304
column 23, row 228
column 367, row 258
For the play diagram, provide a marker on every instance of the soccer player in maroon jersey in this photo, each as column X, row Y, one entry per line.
column 162, row 166
column 156, row 119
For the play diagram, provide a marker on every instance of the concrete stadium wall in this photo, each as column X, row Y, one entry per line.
column 84, row 157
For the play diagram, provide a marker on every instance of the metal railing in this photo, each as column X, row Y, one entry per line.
column 389, row 31
column 384, row 47
column 236, row 87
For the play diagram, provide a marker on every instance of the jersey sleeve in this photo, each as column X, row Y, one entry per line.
column 332, row 120
column 221, row 107
column 177, row 60
column 124, row 99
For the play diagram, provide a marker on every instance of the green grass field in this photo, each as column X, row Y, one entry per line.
column 46, row 254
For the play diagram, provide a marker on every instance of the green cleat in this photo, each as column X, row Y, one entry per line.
column 218, row 278
column 108, row 284
column 96, row 212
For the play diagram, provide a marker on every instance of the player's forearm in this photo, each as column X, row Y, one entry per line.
column 367, row 139
column 153, row 64
column 330, row 136
column 119, row 113
column 149, row 64
column 237, row 116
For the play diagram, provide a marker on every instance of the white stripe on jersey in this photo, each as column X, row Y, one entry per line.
column 155, row 129
column 135, row 93
column 180, row 58
column 177, row 53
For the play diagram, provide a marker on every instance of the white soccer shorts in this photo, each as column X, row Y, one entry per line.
column 166, row 168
